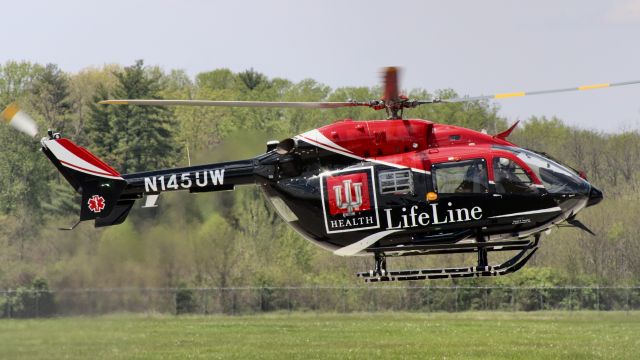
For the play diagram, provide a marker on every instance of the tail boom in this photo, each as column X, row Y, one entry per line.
column 108, row 196
column 201, row 178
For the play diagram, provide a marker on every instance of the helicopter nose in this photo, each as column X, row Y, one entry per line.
column 595, row 196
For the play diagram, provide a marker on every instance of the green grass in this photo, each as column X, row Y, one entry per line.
column 472, row 335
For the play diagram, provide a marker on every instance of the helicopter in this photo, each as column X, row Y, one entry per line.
column 382, row 188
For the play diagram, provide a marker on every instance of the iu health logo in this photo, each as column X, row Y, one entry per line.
column 349, row 200
column 348, row 194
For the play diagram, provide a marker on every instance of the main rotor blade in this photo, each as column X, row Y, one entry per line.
column 19, row 119
column 263, row 104
column 390, row 79
column 539, row 92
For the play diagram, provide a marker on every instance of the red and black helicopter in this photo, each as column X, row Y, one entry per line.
column 394, row 187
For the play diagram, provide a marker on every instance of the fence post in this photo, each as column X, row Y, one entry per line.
column 628, row 304
column 175, row 301
column 541, row 300
column 94, row 300
column 486, row 298
column 513, row 303
column 203, row 297
column 456, row 290
column 38, row 303
column 233, row 301
column 315, row 298
column 344, row 299
column 6, row 303
column 570, row 299
column 375, row 299
column 598, row 298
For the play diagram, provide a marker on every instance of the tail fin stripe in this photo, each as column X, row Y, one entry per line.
column 77, row 158
column 85, row 155
column 100, row 173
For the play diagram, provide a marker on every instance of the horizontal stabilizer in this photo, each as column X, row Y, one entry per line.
column 150, row 201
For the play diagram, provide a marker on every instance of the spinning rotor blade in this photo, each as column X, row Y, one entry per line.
column 20, row 120
column 390, row 79
column 539, row 92
column 263, row 104
column 391, row 100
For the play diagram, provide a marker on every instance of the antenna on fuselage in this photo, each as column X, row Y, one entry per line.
column 188, row 156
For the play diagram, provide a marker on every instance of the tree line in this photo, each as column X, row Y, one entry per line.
column 235, row 238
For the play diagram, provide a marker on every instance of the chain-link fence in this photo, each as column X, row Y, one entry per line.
column 247, row 300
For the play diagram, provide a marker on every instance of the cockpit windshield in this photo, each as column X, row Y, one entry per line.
column 556, row 178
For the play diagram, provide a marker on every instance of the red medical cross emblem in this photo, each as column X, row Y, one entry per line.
column 96, row 203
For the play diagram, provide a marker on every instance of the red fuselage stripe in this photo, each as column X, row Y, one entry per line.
column 329, row 146
column 385, row 162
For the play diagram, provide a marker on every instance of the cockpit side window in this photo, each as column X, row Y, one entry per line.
column 468, row 176
column 510, row 178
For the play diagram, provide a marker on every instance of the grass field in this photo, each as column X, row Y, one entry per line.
column 472, row 335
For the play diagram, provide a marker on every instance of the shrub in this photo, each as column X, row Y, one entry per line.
column 27, row 302
column 185, row 301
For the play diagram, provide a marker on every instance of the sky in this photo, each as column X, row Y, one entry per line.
column 474, row 47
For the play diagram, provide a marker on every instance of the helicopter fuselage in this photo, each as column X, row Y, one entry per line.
column 381, row 188
column 396, row 185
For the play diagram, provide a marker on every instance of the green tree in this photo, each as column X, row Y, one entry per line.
column 84, row 86
column 142, row 136
column 16, row 79
column 99, row 129
column 51, row 96
column 252, row 79
column 220, row 79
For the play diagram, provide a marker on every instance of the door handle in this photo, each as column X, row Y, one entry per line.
column 497, row 195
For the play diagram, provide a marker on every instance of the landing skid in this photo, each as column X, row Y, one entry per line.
column 527, row 249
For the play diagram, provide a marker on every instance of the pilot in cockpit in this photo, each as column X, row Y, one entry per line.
column 475, row 180
column 506, row 179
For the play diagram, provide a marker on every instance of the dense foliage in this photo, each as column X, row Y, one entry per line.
column 231, row 239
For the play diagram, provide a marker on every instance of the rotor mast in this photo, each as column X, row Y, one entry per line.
column 392, row 101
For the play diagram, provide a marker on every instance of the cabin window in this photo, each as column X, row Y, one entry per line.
column 396, row 182
column 460, row 177
column 510, row 178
